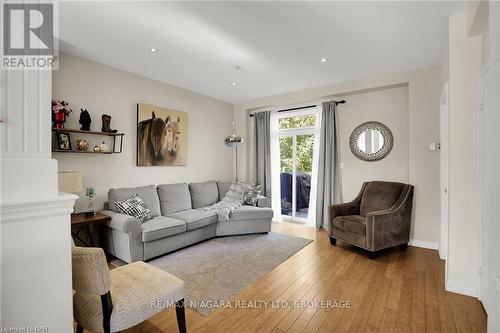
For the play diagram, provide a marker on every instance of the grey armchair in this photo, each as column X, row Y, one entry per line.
column 378, row 218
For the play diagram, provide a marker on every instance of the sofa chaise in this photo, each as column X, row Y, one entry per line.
column 177, row 220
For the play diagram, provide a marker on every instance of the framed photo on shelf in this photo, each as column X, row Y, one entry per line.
column 63, row 141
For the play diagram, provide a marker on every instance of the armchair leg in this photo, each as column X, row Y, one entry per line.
column 107, row 309
column 79, row 329
column 372, row 255
column 403, row 247
column 333, row 241
column 181, row 316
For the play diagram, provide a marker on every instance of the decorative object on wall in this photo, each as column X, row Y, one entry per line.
column 106, row 124
column 60, row 110
column 82, row 145
column 85, row 120
column 161, row 136
column 371, row 141
column 104, row 147
column 234, row 140
column 63, row 141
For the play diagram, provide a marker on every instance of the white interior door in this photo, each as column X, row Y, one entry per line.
column 444, row 171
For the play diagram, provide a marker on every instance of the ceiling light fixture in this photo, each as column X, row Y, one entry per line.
column 153, row 50
column 234, row 83
column 323, row 60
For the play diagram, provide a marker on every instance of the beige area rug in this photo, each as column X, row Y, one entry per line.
column 217, row 269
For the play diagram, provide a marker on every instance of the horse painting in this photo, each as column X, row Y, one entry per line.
column 161, row 140
column 172, row 139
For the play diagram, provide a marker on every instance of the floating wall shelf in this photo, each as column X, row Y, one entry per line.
column 91, row 133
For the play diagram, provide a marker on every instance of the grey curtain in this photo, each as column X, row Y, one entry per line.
column 329, row 188
column 262, row 151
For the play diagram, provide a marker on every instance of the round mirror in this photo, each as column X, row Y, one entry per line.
column 371, row 141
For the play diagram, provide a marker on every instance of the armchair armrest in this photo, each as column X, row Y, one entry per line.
column 122, row 222
column 263, row 201
column 390, row 227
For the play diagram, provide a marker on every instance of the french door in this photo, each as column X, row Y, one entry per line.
column 295, row 139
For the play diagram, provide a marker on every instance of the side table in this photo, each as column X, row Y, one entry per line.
column 83, row 222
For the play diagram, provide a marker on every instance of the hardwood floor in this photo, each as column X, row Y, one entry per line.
column 396, row 292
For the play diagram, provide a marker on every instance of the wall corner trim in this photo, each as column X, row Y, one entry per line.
column 424, row 244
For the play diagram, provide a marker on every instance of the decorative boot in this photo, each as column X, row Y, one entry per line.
column 106, row 124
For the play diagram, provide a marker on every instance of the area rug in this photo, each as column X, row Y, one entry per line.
column 219, row 268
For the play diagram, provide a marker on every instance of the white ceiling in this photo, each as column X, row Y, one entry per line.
column 278, row 44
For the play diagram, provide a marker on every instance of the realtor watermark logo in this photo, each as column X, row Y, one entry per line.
column 28, row 37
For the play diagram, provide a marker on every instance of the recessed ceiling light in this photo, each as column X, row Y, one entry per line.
column 234, row 83
column 153, row 50
column 323, row 60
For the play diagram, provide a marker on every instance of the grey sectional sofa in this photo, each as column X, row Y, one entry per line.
column 178, row 221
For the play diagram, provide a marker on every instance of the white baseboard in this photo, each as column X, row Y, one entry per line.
column 424, row 244
column 461, row 288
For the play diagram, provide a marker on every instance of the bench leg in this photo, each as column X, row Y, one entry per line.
column 181, row 315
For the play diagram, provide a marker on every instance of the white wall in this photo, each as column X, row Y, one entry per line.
column 390, row 107
column 422, row 128
column 102, row 89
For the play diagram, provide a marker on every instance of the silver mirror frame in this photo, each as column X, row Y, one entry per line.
column 386, row 147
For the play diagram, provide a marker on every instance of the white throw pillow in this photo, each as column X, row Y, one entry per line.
column 237, row 191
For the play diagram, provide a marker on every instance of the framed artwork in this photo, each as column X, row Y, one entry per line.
column 63, row 141
column 161, row 136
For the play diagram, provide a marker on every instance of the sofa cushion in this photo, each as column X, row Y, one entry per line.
column 174, row 198
column 351, row 223
column 251, row 213
column 147, row 193
column 379, row 195
column 223, row 187
column 161, row 227
column 203, row 194
column 196, row 218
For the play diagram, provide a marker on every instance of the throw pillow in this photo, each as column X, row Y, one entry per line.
column 251, row 195
column 135, row 207
column 236, row 191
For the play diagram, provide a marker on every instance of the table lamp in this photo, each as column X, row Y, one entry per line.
column 70, row 181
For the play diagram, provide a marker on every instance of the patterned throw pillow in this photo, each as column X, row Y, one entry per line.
column 135, row 207
column 236, row 191
column 251, row 195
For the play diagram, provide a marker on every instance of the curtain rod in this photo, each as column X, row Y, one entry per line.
column 304, row 107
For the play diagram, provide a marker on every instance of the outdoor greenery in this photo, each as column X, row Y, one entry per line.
column 297, row 122
column 304, row 145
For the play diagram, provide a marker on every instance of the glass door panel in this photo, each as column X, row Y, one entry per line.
column 286, row 172
column 304, row 148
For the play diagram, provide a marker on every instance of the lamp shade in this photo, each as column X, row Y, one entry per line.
column 233, row 140
column 70, row 181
